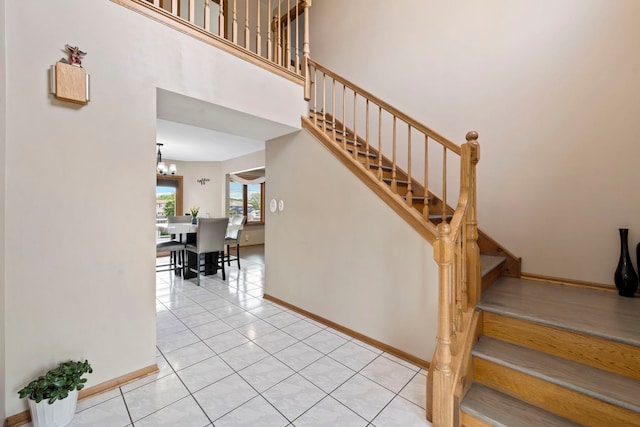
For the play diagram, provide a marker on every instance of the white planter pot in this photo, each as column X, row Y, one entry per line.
column 58, row 414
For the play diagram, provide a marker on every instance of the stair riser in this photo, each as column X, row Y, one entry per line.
column 559, row 400
column 598, row 352
column 491, row 276
column 468, row 420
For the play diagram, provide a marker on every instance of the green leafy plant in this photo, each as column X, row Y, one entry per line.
column 194, row 211
column 58, row 382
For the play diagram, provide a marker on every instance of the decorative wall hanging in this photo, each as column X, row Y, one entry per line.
column 68, row 80
column 203, row 181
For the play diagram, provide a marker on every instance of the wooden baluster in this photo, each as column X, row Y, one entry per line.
column 459, row 279
column 425, row 209
column 315, row 96
column 279, row 62
column 355, row 125
column 473, row 250
column 409, row 190
column 247, row 33
column 234, row 24
column 221, row 25
column 333, row 107
column 288, row 56
column 324, row 104
column 305, row 42
column 270, row 46
column 394, row 182
column 297, row 39
column 192, row 11
column 258, row 35
column 380, row 173
column 444, row 184
column 207, row 15
column 174, row 7
column 443, row 407
column 366, row 137
column 344, row 117
column 276, row 41
column 464, row 286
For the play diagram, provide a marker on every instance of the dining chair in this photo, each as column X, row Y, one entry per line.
column 209, row 239
column 174, row 247
column 234, row 230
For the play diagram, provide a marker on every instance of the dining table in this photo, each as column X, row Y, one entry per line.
column 189, row 231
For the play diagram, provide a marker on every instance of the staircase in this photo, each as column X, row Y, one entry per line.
column 557, row 355
column 530, row 353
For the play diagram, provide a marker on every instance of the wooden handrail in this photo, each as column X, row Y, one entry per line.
column 456, row 252
column 455, row 246
column 386, row 106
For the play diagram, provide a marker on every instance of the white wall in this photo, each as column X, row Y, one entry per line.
column 345, row 255
column 207, row 196
column 552, row 87
column 79, row 276
column 3, row 89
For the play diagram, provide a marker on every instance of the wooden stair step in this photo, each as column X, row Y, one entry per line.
column 604, row 386
column 588, row 311
column 362, row 153
column 383, row 167
column 498, row 409
column 491, row 268
column 398, row 181
column 329, row 129
column 489, row 262
column 438, row 216
column 349, row 141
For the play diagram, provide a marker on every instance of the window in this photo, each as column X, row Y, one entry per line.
column 246, row 198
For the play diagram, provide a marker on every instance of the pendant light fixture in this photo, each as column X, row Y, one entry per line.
column 161, row 167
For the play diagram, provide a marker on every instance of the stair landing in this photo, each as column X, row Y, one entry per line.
column 593, row 312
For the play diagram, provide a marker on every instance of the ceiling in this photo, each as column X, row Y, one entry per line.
column 196, row 130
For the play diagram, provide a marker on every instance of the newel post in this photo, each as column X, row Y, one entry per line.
column 306, row 70
column 473, row 250
column 443, row 407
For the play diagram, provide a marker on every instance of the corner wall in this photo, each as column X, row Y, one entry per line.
column 553, row 89
column 3, row 127
column 338, row 251
column 80, row 275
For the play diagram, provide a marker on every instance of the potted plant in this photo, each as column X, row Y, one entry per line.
column 194, row 213
column 53, row 396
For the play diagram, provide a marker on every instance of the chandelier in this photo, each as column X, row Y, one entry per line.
column 161, row 167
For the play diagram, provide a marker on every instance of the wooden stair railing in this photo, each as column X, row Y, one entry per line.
column 265, row 36
column 341, row 118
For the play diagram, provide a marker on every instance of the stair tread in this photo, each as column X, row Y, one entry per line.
column 603, row 385
column 568, row 307
column 489, row 262
column 499, row 409
column 376, row 166
column 362, row 153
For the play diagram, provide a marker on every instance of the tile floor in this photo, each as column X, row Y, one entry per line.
column 227, row 357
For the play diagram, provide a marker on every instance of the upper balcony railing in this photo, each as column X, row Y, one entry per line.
column 269, row 33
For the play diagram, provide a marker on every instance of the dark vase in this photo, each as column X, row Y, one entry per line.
column 625, row 278
column 194, row 220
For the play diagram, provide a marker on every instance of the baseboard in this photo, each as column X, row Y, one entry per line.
column 25, row 417
column 570, row 282
column 372, row 342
